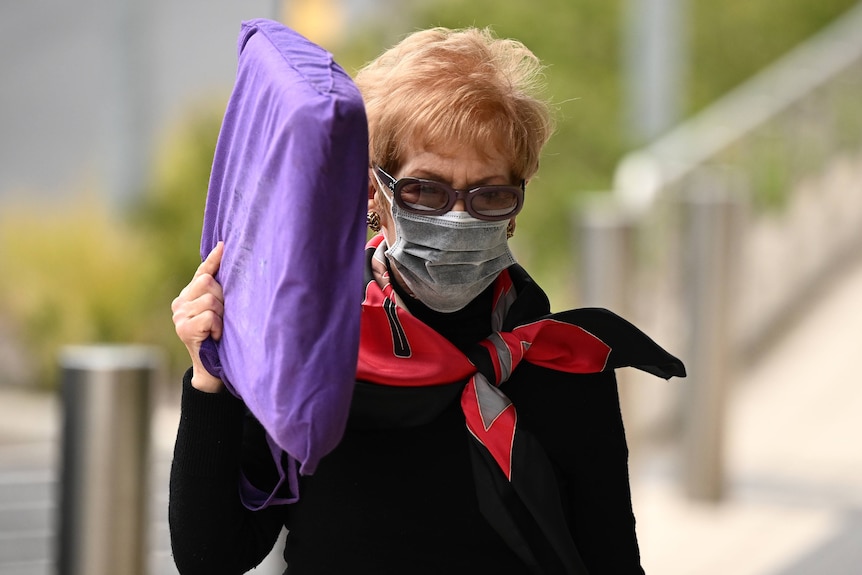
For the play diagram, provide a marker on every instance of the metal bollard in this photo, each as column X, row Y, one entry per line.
column 711, row 210
column 106, row 400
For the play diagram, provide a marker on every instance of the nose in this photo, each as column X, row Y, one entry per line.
column 459, row 206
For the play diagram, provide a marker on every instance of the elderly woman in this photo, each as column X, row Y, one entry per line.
column 485, row 434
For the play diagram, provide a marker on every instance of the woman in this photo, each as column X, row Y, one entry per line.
column 484, row 435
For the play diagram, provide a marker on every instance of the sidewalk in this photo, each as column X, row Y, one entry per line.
column 793, row 461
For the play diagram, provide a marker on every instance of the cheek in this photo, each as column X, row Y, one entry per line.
column 386, row 221
column 388, row 228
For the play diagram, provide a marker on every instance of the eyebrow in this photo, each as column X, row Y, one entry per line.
column 486, row 181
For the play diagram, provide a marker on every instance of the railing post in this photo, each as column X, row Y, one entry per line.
column 605, row 254
column 106, row 402
column 607, row 268
column 711, row 210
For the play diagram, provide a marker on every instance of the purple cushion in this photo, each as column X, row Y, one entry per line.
column 288, row 195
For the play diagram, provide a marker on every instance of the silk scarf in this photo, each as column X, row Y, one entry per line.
column 399, row 351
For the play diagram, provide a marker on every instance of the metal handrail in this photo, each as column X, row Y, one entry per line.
column 642, row 175
column 667, row 246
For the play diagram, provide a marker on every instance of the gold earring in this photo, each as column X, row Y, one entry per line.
column 373, row 221
column 510, row 229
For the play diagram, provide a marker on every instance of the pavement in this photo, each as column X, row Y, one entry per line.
column 793, row 460
column 793, row 465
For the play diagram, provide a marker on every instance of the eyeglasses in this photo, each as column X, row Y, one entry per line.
column 430, row 198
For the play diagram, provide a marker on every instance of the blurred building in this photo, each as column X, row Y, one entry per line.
column 89, row 87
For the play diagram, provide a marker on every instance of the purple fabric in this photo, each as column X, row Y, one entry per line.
column 288, row 195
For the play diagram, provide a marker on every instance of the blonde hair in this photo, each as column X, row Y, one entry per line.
column 460, row 86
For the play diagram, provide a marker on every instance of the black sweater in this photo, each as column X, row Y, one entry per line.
column 402, row 501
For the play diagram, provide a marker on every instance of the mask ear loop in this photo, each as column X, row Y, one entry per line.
column 381, row 187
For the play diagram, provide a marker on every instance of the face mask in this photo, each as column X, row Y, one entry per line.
column 448, row 260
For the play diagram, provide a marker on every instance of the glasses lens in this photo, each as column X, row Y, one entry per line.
column 494, row 201
column 424, row 195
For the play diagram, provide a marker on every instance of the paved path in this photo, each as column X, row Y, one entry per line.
column 29, row 463
column 794, row 467
column 793, row 456
column 29, row 458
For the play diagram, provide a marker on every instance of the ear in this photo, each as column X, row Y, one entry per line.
column 373, row 197
column 372, row 189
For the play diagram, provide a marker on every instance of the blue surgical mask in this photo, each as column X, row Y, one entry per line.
column 448, row 260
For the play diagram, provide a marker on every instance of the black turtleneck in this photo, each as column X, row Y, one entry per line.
column 404, row 498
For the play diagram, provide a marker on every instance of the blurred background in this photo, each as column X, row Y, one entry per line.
column 705, row 181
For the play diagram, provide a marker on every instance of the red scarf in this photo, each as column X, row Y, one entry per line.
column 397, row 350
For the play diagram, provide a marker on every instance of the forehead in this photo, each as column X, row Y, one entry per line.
column 455, row 163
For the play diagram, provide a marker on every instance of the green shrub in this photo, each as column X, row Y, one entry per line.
column 72, row 275
column 169, row 217
column 79, row 273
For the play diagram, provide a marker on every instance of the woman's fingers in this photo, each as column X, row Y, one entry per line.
column 199, row 308
column 205, row 303
column 197, row 314
column 202, row 285
column 196, row 328
column 212, row 262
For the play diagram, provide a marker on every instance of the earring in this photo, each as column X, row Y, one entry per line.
column 373, row 221
column 510, row 229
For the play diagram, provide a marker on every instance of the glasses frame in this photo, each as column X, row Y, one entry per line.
column 395, row 186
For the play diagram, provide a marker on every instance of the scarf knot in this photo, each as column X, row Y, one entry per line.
column 490, row 416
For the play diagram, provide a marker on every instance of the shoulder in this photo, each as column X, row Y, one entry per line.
column 551, row 402
column 575, row 417
column 536, row 387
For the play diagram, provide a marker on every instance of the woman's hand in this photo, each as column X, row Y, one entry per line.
column 197, row 315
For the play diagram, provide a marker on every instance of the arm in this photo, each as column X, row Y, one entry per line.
column 577, row 420
column 211, row 531
column 597, row 477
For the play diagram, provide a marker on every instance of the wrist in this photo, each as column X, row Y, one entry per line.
column 202, row 380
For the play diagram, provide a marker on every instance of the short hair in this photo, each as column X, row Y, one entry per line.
column 465, row 86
